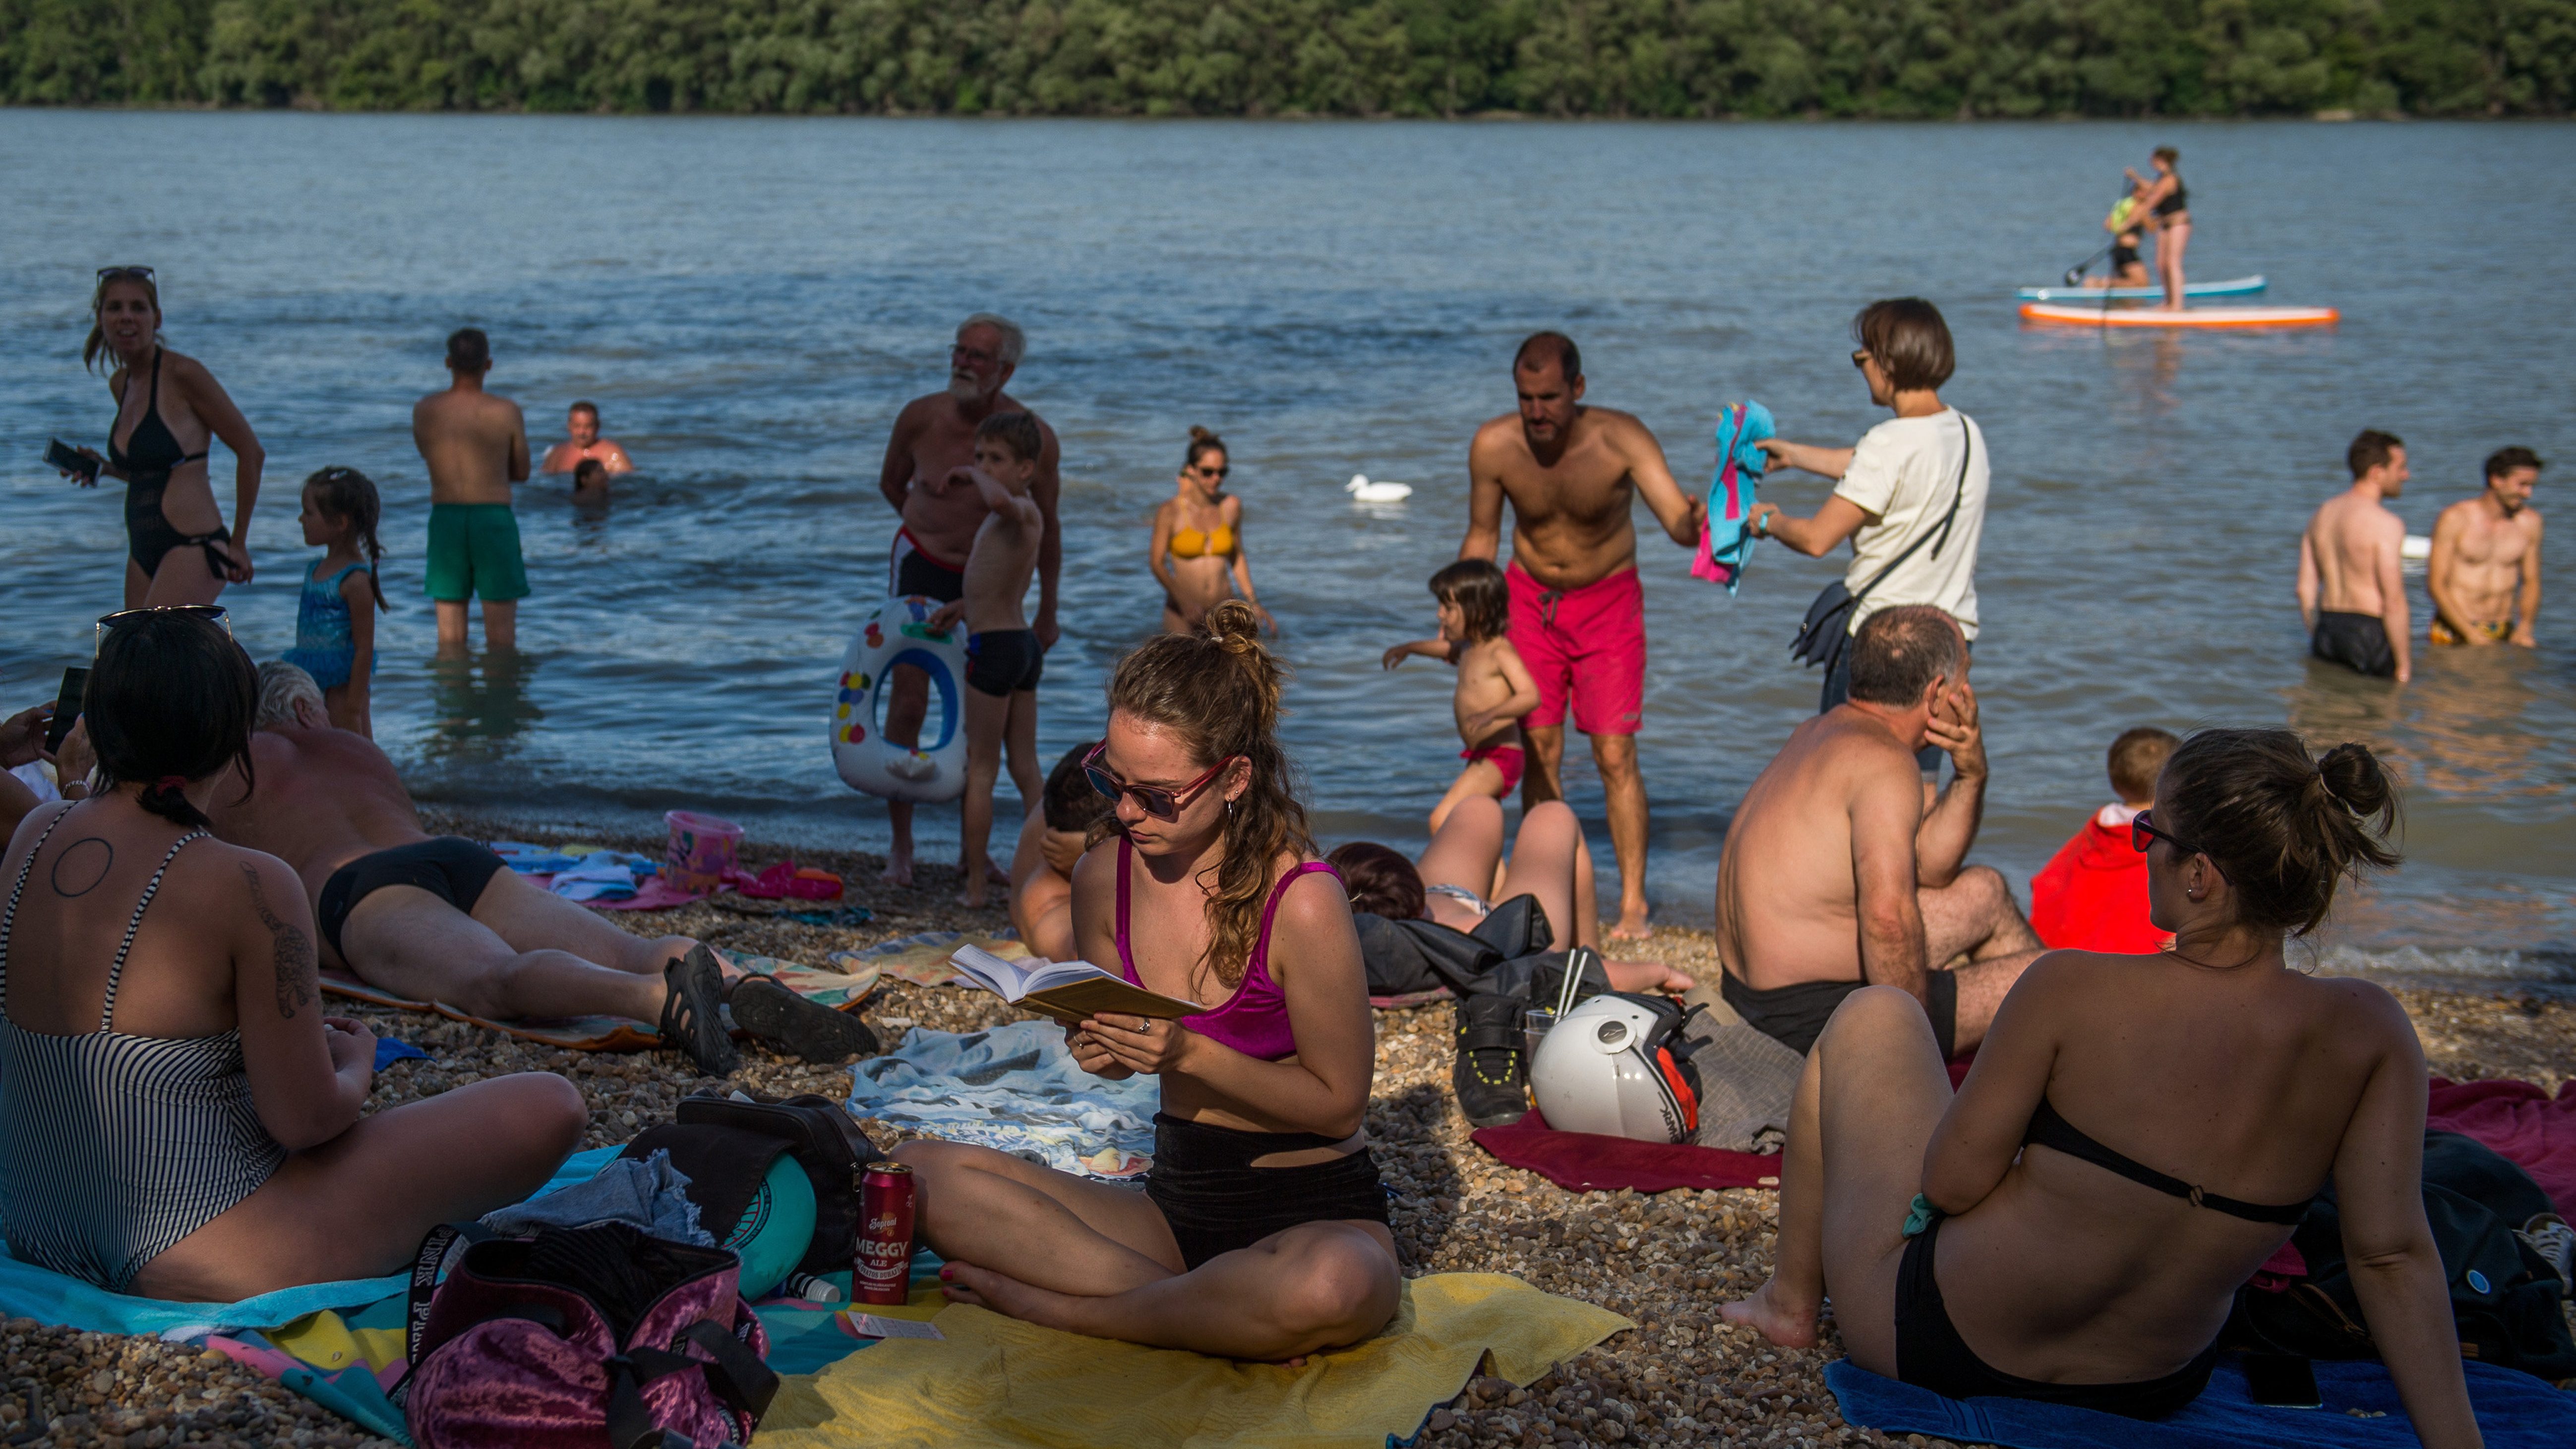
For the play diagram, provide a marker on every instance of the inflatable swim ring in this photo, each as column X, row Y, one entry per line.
column 900, row 633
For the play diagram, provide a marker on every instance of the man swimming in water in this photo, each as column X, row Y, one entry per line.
column 582, row 443
column 442, row 919
column 934, row 435
column 2350, row 591
column 476, row 446
column 2486, row 550
column 1835, row 876
column 1571, row 474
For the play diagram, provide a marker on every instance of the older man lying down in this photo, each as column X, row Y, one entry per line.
column 440, row 919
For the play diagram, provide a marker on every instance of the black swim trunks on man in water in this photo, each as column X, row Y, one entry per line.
column 1794, row 1015
column 2358, row 642
column 1002, row 661
column 451, row 868
column 911, row 571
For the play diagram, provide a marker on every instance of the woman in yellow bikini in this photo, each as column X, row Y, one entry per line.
column 1198, row 554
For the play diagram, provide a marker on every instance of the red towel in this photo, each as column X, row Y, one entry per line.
column 2536, row 1131
column 2092, row 895
column 1589, row 1162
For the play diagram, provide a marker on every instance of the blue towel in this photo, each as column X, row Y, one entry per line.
column 49, row 1297
column 648, row 1193
column 1726, row 542
column 2515, row 1411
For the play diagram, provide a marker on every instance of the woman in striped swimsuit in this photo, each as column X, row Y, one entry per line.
column 183, row 1119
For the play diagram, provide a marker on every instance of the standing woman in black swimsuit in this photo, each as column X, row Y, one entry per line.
column 2167, row 209
column 2138, row 1133
column 167, row 406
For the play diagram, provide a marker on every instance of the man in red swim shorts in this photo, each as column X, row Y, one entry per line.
column 1571, row 474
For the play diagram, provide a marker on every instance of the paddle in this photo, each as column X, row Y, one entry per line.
column 2075, row 273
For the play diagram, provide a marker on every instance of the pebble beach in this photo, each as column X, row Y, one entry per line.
column 1665, row 1260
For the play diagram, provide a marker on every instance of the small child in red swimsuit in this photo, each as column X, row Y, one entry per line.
column 1494, row 687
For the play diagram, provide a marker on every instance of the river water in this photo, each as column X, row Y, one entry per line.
column 751, row 300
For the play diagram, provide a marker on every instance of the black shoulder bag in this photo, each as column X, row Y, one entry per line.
column 1827, row 630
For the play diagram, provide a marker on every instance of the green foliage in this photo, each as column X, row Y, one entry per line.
column 1665, row 58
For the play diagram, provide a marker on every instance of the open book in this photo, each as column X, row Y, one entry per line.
column 1069, row 991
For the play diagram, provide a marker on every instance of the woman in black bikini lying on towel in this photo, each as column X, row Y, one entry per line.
column 2138, row 1134
column 167, row 406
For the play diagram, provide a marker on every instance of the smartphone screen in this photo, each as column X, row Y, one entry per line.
column 67, row 708
column 2282, row 1381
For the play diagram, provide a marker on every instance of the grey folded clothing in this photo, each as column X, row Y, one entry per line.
column 1746, row 1080
column 648, row 1193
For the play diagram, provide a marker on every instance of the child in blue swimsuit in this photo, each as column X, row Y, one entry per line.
column 335, row 629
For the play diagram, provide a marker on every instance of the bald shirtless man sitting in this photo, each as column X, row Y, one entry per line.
column 934, row 436
column 1571, row 474
column 1835, row 876
column 441, row 919
column 2352, row 594
column 2484, row 575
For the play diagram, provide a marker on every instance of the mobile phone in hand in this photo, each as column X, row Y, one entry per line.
column 64, row 457
column 67, row 708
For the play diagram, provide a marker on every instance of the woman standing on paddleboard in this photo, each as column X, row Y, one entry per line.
column 2166, row 204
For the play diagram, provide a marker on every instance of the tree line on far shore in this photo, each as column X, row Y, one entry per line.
column 1634, row 58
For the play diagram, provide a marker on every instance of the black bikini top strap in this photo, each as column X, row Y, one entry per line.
column 2051, row 1130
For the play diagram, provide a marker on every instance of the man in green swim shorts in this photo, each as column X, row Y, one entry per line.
column 476, row 446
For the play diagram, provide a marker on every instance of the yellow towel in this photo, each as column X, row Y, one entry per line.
column 996, row 1380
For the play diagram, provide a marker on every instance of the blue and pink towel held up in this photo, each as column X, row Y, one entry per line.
column 1726, row 539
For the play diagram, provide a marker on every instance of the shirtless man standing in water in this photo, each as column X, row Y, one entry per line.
column 2351, row 593
column 2485, row 550
column 476, row 446
column 1571, row 474
column 933, row 436
column 1836, row 876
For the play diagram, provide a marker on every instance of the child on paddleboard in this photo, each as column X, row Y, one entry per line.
column 1494, row 687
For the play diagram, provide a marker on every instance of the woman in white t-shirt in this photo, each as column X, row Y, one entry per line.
column 1911, row 496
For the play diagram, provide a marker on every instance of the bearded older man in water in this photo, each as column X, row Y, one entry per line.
column 932, row 435
column 1571, row 473
column 438, row 918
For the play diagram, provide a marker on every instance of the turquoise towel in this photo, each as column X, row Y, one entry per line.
column 1726, row 540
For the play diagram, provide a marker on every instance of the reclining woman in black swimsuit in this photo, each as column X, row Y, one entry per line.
column 177, row 548
column 2138, row 1134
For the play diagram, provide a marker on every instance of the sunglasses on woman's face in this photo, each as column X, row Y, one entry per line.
column 212, row 613
column 1163, row 804
column 2143, row 832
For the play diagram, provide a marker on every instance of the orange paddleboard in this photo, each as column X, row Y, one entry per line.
column 2065, row 315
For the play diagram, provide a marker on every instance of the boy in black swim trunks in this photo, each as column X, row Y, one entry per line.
column 1003, row 656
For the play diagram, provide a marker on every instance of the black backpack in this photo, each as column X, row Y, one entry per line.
column 2505, row 1297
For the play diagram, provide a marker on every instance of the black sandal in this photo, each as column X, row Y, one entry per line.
column 692, row 1016
column 801, row 1028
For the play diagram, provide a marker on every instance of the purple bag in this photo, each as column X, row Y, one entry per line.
column 599, row 1337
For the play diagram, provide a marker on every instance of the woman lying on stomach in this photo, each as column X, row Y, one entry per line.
column 1263, row 1234
column 183, row 1120
column 2139, row 1132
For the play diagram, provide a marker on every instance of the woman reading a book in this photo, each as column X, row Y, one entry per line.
column 1263, row 1233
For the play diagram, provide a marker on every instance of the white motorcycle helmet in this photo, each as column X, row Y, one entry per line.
column 1612, row 1067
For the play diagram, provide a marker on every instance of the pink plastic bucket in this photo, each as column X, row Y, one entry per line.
column 702, row 849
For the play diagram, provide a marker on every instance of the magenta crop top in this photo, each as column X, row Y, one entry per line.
column 1254, row 1021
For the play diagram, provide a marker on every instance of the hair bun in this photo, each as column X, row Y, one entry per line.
column 1233, row 624
column 1201, row 435
column 2353, row 776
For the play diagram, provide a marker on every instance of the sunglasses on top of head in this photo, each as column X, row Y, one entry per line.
column 212, row 613
column 1155, row 800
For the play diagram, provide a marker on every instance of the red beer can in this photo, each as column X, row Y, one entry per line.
column 881, row 1266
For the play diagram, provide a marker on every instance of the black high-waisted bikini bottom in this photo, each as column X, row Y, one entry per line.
column 1217, row 1201
column 1931, row 1355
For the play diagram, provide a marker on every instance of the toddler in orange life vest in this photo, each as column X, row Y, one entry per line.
column 2092, row 896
